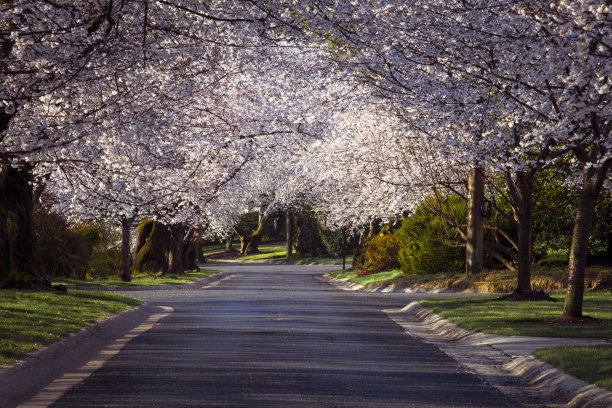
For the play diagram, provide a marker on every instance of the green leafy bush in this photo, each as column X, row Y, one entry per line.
column 427, row 245
column 381, row 253
column 73, row 251
column 59, row 250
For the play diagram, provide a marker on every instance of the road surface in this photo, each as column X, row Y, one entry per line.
column 275, row 336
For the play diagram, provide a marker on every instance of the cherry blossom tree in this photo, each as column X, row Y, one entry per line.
column 72, row 71
column 525, row 82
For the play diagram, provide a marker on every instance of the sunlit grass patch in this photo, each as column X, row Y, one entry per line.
column 141, row 280
column 374, row 279
column 482, row 314
column 592, row 364
column 30, row 320
column 321, row 260
column 271, row 252
column 344, row 274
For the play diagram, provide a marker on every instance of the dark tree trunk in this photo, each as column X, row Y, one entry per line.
column 358, row 258
column 190, row 245
column 593, row 179
column 5, row 261
column 175, row 256
column 200, row 253
column 289, row 223
column 126, row 229
column 16, row 212
column 153, row 255
column 474, row 233
column 524, row 217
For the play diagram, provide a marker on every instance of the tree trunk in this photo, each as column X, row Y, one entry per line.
column 142, row 233
column 591, row 187
column 5, row 261
column 126, row 229
column 200, row 253
column 474, row 234
column 289, row 223
column 249, row 242
column 153, row 255
column 229, row 242
column 16, row 212
column 190, row 245
column 175, row 257
column 525, row 221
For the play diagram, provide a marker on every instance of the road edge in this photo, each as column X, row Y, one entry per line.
column 25, row 378
column 542, row 378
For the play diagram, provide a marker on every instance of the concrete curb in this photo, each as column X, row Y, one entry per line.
column 26, row 377
column 508, row 355
column 344, row 284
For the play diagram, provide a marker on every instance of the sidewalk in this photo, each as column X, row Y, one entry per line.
column 505, row 362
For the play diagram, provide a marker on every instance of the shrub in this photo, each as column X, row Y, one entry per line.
column 81, row 251
column 427, row 245
column 306, row 238
column 59, row 250
column 381, row 253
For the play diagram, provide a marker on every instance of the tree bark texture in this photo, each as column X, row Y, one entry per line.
column 593, row 179
column 474, row 234
column 126, row 229
column 191, row 243
column 175, row 256
column 524, row 218
column 289, row 224
column 17, row 237
column 249, row 242
column 153, row 255
column 229, row 242
column 142, row 233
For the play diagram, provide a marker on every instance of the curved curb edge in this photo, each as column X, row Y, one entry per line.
column 25, row 378
column 546, row 379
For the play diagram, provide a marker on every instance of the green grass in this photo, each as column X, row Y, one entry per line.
column 547, row 278
column 481, row 314
column 30, row 320
column 322, row 260
column 145, row 280
column 372, row 280
column 496, row 281
column 279, row 254
column 344, row 274
column 268, row 252
column 591, row 364
column 218, row 247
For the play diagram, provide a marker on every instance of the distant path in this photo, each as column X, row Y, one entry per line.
column 274, row 336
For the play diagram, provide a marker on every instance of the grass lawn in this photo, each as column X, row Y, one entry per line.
column 218, row 247
column 371, row 280
column 279, row 254
column 322, row 260
column 145, row 280
column 30, row 319
column 481, row 314
column 591, row 364
column 497, row 281
column 266, row 252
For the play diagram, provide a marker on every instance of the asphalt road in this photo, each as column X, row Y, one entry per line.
column 274, row 336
